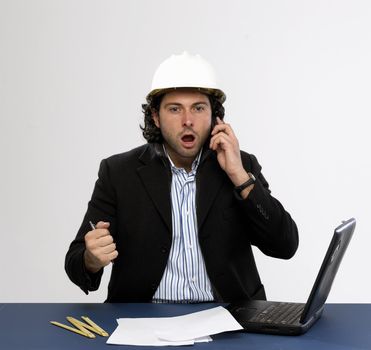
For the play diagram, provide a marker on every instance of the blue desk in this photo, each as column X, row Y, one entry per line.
column 26, row 326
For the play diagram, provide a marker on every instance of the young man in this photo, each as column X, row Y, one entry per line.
column 178, row 215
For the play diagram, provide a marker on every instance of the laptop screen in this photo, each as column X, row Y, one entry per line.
column 328, row 270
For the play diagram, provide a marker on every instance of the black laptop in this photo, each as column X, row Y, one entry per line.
column 284, row 318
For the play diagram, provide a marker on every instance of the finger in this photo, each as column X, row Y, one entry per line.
column 219, row 145
column 221, row 134
column 220, row 140
column 226, row 128
column 107, row 258
column 93, row 236
column 219, row 121
column 112, row 256
column 108, row 249
column 104, row 241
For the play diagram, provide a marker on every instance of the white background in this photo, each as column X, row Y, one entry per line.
column 73, row 76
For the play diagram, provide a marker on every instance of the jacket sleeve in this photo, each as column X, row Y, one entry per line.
column 273, row 230
column 102, row 207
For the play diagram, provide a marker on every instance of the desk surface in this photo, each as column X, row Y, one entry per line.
column 26, row 326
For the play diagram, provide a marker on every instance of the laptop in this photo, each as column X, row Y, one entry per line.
column 260, row 316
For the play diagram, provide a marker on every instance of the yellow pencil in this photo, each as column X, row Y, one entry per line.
column 71, row 329
column 94, row 325
column 81, row 326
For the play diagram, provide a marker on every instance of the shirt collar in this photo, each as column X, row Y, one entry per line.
column 195, row 163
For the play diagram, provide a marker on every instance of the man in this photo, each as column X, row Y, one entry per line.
column 178, row 215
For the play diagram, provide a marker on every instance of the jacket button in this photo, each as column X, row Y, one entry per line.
column 164, row 250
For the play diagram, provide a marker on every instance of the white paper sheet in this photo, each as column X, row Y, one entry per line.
column 142, row 331
column 200, row 324
column 173, row 331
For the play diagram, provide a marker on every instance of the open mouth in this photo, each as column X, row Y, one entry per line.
column 188, row 140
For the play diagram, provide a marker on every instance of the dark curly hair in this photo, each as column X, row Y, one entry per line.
column 153, row 134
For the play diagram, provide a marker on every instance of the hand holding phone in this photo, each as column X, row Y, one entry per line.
column 225, row 143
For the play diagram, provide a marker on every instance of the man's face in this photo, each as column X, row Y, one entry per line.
column 185, row 121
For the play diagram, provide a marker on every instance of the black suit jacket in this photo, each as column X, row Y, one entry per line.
column 133, row 193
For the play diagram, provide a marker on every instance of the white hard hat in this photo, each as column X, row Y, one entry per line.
column 185, row 71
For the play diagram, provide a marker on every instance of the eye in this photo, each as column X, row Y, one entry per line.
column 199, row 108
column 174, row 109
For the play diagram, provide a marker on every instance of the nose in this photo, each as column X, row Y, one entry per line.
column 187, row 118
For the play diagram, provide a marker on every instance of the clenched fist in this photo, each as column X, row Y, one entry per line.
column 100, row 247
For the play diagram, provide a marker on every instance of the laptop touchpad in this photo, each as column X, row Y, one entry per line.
column 244, row 312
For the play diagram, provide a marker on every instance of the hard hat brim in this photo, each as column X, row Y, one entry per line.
column 219, row 94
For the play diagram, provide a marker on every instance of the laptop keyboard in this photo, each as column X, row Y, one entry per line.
column 280, row 313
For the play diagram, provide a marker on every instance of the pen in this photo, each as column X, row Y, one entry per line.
column 72, row 329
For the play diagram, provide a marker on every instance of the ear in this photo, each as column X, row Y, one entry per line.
column 156, row 118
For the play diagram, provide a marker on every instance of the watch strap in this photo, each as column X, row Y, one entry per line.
column 249, row 182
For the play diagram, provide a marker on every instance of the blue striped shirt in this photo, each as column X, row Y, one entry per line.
column 185, row 278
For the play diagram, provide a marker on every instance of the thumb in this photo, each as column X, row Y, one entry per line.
column 102, row 224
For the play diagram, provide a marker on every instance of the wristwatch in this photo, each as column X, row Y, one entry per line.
column 249, row 182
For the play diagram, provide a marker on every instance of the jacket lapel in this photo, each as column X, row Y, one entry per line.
column 156, row 179
column 209, row 181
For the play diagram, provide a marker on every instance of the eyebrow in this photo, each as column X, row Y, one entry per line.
column 180, row 104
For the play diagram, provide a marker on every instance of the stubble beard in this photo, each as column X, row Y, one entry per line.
column 180, row 154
